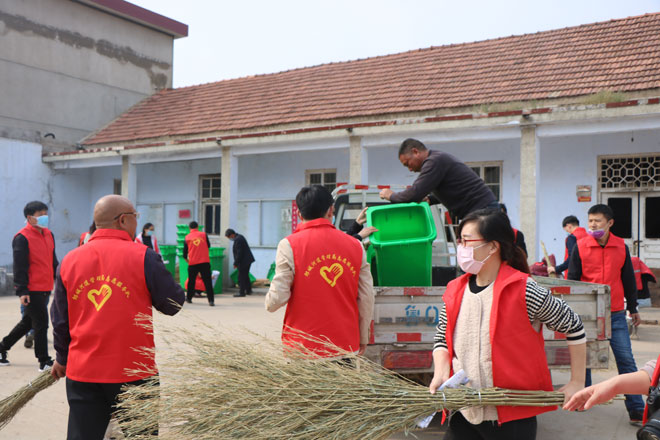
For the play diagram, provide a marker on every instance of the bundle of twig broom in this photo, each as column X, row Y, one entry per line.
column 231, row 389
column 11, row 405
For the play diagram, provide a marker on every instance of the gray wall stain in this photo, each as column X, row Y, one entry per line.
column 123, row 54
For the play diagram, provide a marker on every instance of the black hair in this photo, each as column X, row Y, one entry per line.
column 602, row 209
column 410, row 143
column 33, row 207
column 229, row 232
column 503, row 208
column 570, row 220
column 193, row 225
column 146, row 226
column 92, row 228
column 494, row 225
column 314, row 201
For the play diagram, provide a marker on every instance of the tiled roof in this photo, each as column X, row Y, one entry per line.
column 618, row 55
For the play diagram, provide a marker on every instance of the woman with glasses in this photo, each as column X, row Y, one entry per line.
column 490, row 327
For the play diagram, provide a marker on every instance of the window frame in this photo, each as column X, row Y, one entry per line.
column 206, row 201
column 322, row 172
column 493, row 163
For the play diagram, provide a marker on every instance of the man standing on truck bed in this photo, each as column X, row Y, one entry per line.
column 323, row 277
column 443, row 179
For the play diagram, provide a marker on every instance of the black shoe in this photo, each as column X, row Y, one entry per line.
column 3, row 359
column 636, row 417
column 43, row 366
column 189, row 301
column 29, row 340
column 212, row 304
column 249, row 293
column 239, row 295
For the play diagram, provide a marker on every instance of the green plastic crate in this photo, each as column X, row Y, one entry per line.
column 402, row 243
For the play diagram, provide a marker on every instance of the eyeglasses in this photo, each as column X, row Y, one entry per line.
column 465, row 241
column 136, row 214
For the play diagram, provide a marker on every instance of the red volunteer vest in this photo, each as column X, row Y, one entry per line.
column 106, row 291
column 517, row 349
column 198, row 249
column 640, row 269
column 41, row 274
column 603, row 265
column 578, row 233
column 323, row 299
column 654, row 383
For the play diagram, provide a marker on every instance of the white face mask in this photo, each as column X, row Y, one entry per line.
column 465, row 257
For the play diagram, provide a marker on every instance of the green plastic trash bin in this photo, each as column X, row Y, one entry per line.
column 271, row 272
column 217, row 255
column 183, row 268
column 234, row 277
column 402, row 243
column 168, row 252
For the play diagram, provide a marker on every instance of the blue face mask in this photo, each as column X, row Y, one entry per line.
column 149, row 233
column 42, row 221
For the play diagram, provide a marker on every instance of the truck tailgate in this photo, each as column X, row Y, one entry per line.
column 405, row 319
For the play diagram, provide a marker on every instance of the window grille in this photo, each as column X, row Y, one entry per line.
column 630, row 172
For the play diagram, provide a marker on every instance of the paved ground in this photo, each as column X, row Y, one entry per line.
column 44, row 418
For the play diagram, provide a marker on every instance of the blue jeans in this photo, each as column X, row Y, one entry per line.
column 625, row 362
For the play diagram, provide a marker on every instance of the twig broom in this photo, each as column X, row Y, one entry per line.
column 230, row 389
column 11, row 405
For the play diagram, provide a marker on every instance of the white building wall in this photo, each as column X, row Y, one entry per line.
column 175, row 185
column 279, row 176
column 23, row 178
column 569, row 161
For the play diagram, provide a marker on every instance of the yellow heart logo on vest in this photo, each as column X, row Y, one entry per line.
column 197, row 241
column 103, row 294
column 331, row 274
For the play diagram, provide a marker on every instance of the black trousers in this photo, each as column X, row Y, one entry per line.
column 244, row 284
column 90, row 407
column 461, row 429
column 35, row 317
column 204, row 269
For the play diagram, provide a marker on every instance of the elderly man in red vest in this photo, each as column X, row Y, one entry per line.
column 102, row 292
column 323, row 277
column 35, row 263
column 602, row 257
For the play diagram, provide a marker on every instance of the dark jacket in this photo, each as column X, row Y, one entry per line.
column 242, row 253
column 451, row 182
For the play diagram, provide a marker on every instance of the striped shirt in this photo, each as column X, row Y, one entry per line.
column 542, row 307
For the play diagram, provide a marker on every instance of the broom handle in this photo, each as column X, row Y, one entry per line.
column 547, row 259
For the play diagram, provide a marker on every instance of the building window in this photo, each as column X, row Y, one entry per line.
column 491, row 173
column 209, row 186
column 116, row 187
column 327, row 178
column 630, row 172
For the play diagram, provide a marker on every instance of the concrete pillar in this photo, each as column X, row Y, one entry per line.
column 129, row 179
column 359, row 163
column 529, row 170
column 228, row 204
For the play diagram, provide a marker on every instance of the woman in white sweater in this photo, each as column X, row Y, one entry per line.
column 490, row 327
